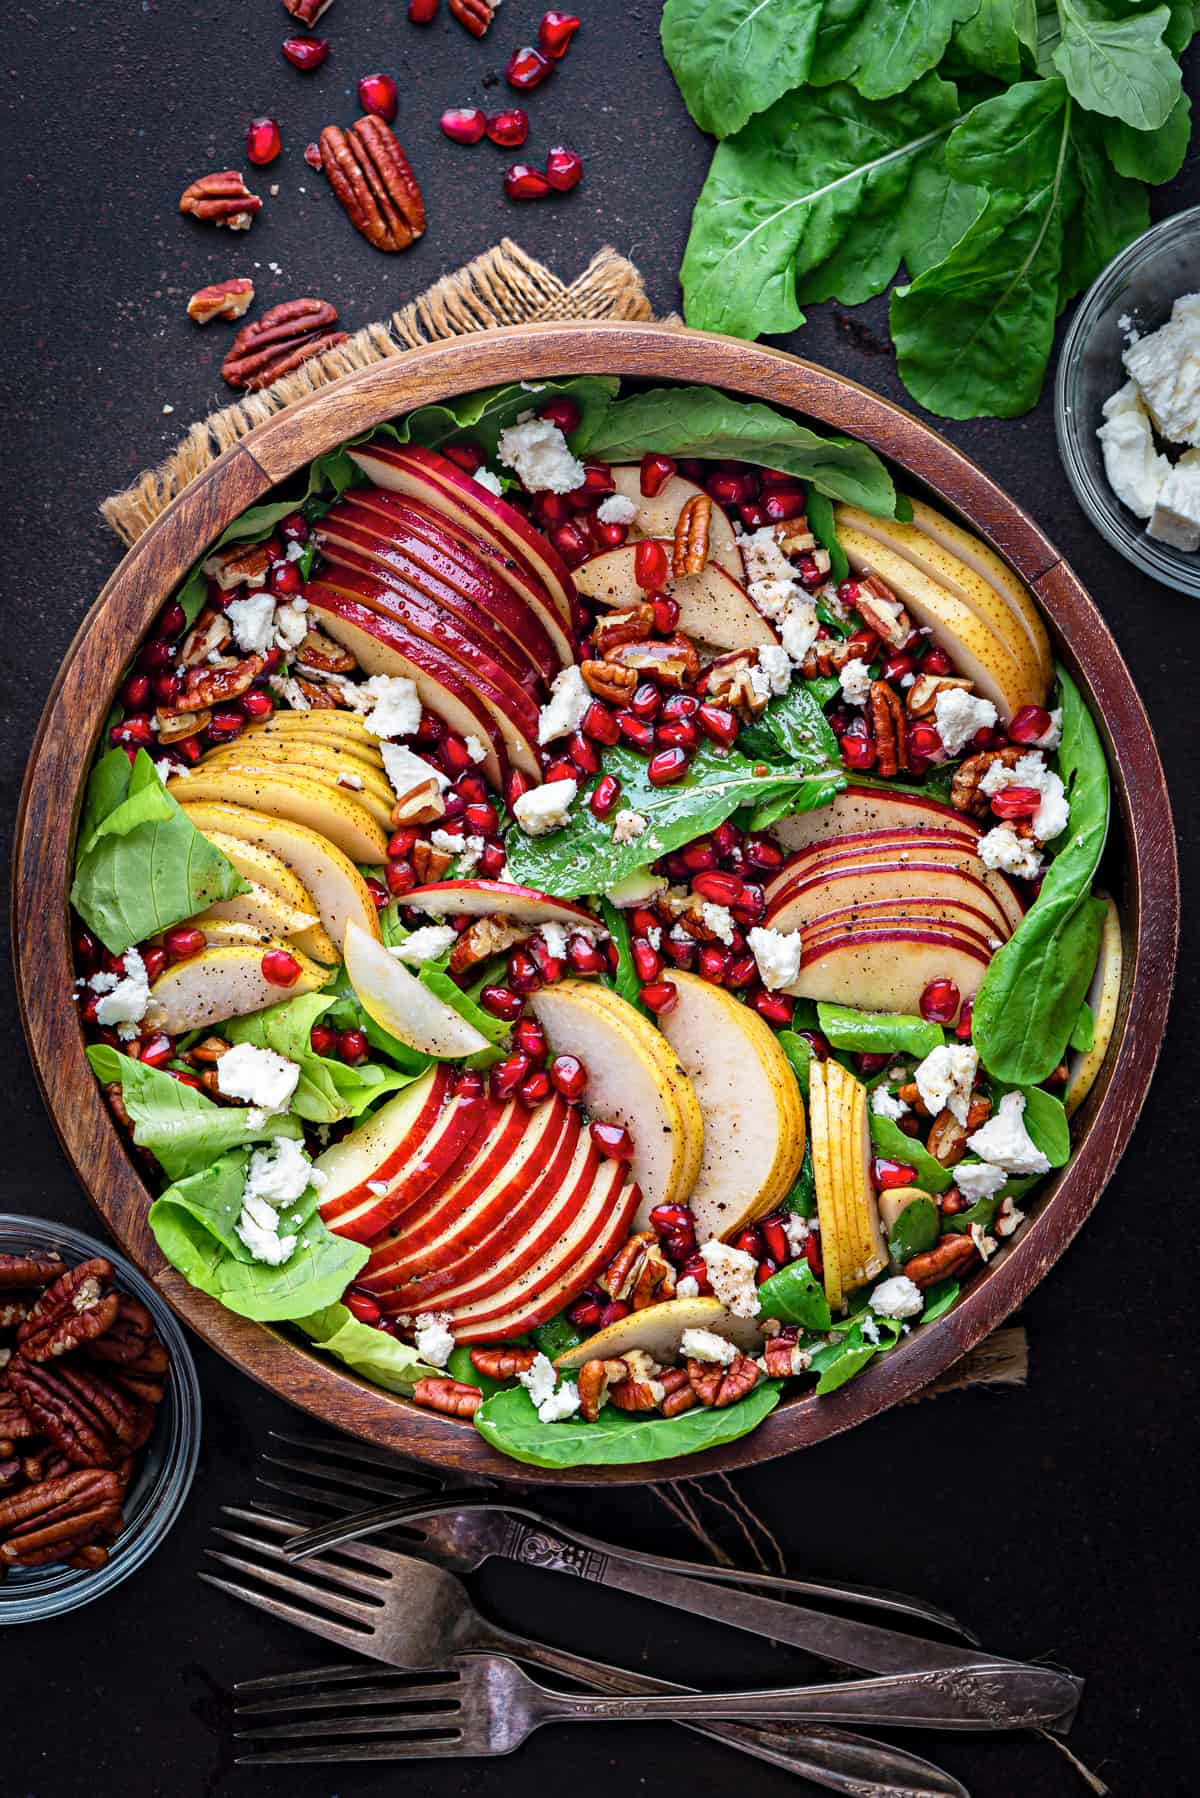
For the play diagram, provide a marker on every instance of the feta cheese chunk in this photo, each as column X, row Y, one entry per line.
column 560, row 1405
column 127, row 998
column 628, row 826
column 1166, row 367
column 706, row 1345
column 616, row 509
column 465, row 850
column 395, row 709
column 1176, row 515
column 798, row 629
column 429, row 943
column 539, row 1379
column 687, row 1288
column 563, row 712
column 1004, row 850
column 978, row 1179
column 718, row 919
column 897, row 1297
column 774, row 665
column 1053, row 814
column 281, row 1173
column 546, row 808
column 540, row 1382
column 434, row 1343
column 259, row 1076
column 732, row 1274
column 537, row 452
column 1135, row 470
column 1004, row 1140
column 258, row 1229
column 763, row 559
column 639, row 888
column 777, row 955
column 407, row 772
column 291, row 624
column 252, row 621
column 492, row 482
column 887, row 1104
column 475, row 749
column 958, row 715
column 945, row 1078
column 856, row 682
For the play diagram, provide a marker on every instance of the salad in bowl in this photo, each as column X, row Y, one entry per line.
column 585, row 910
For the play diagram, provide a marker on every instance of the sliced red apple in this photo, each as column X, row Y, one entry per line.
column 381, row 646
column 895, row 873
column 489, row 898
column 888, row 970
column 400, row 1004
column 862, row 885
column 658, row 516
column 915, row 914
column 862, row 808
column 714, row 608
column 425, row 475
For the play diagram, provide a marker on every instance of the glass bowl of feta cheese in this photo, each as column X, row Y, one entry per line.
column 1127, row 403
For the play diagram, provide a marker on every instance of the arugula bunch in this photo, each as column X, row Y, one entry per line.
column 998, row 149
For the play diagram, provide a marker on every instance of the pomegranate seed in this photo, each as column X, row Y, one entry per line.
column 651, row 570
column 508, row 1074
column 353, row 1047
column 455, row 757
column 698, row 857
column 550, row 967
column 680, row 953
column 609, row 536
column 697, row 1269
column 183, row 1079
column 556, row 31
column 586, row 1312
column 597, row 476
column 502, row 1002
column 561, row 768
column 170, row 621
column 749, row 1241
column 659, row 996
column 510, row 128
column 568, row 1076
column 656, row 471
column 527, row 68
column 762, row 853
column 312, row 156
column 279, row 968
column 923, row 741
column 646, row 700
column 636, row 731
column 481, row 819
column 741, row 970
column 676, row 733
column 285, row 579
column 226, row 725
column 817, row 1044
column 379, row 894
column 848, row 592
column 466, row 125
column 613, row 1312
column 190, row 749
column 522, row 972
column 322, row 1039
column 564, row 169
column 570, row 543
column 812, row 1254
column 668, row 1218
column 642, row 920
column 136, row 691
column 728, row 489
column 401, row 878
column 937, row 662
column 523, row 183
column 864, row 645
column 133, row 733
column 775, row 477
column 775, row 1239
column 722, row 889
column 491, row 861
column 858, row 751
column 962, row 1029
column 87, row 949
column 583, row 755
column 647, row 961
column 585, row 957
column 718, row 724
column 939, row 1002
column 155, row 658
column 185, row 941
column 516, row 783
column 377, row 94
column 1016, row 802
column 765, row 1269
column 599, row 724
column 422, row 12
column 535, row 1089
column 752, row 904
column 401, row 844
column 887, row 1174
column 362, row 1306
column 612, row 1140
column 529, row 1037
column 257, row 704
column 667, row 766
column 713, row 964
column 467, row 456
column 869, row 1065
column 605, row 796
column 776, row 1008
column 305, row 53
column 784, row 503
column 1030, row 724
column 263, row 142
column 681, row 705
column 896, row 667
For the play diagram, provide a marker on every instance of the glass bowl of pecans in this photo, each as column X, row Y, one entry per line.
column 99, row 1419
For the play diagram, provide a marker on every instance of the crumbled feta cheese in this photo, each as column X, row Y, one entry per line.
column 687, row 1288
column 258, row 1228
column 946, row 1077
column 167, row 768
column 897, row 1297
column 978, row 1180
column 798, row 629
column 475, row 749
column 762, row 557
column 429, row 943
column 654, row 936
column 1002, row 849
column 958, row 715
column 407, row 771
column 855, row 678
column 259, row 1076
column 252, row 621
column 104, row 982
column 616, row 509
column 773, row 598
column 540, row 1379
column 1005, row 1141
column 554, row 936
column 1176, row 515
column 628, row 826
column 718, row 919
column 777, row 955
column 537, row 452
column 395, row 709
column 465, row 850
column 732, row 1274
column 280, row 1173
column 291, row 624
column 353, row 781
column 1166, row 367
column 1051, row 738
column 491, row 481
column 773, row 662
column 545, row 808
column 560, row 1405
column 636, row 889
column 887, row 1104
column 706, row 1345
column 1053, row 814
column 1135, row 470
column 126, row 1002
column 434, row 1343
column 796, row 1231
column 563, row 712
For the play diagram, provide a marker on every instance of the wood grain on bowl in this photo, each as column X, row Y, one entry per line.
column 74, row 714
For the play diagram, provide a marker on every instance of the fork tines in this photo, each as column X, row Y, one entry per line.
column 370, row 1714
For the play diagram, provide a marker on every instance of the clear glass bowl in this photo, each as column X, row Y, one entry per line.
column 1142, row 283
column 165, row 1466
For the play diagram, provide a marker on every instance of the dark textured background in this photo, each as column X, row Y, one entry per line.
column 1059, row 1520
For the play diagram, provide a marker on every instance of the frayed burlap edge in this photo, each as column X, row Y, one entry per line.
column 504, row 286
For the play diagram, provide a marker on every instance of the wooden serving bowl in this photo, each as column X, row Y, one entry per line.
column 90, row 674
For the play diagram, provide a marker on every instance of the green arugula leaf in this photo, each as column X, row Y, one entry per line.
column 893, row 1145
column 107, row 788
column 733, row 60
column 878, row 1032
column 327, row 1090
column 509, row 1422
column 916, row 1230
column 378, row 1357
column 183, row 1129
column 1120, row 68
column 795, row 1296
column 885, row 48
column 556, row 1336
column 701, row 421
column 144, row 865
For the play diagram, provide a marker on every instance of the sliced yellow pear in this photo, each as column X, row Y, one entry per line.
column 659, row 1330
column 1104, row 996
column 281, row 794
column 984, row 560
column 930, row 558
column 714, row 607
column 319, row 869
column 342, row 751
column 633, row 1080
column 827, row 1217
column 226, row 980
column 400, row 1004
column 260, row 868
column 657, row 517
column 749, row 1100
column 973, row 646
column 359, row 784
column 863, row 1251
column 261, row 910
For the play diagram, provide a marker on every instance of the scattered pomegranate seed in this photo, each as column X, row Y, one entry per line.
column 817, row 1044
column 612, row 1140
column 1016, row 802
column 312, row 156
column 647, row 962
column 171, row 621
column 642, row 920
column 698, row 858
column 422, row 12
column 752, row 904
column 155, row 658
column 676, row 733
column 556, row 31
column 224, row 726
column 185, row 941
column 527, row 68
column 183, row 1079
column 482, row 819
column 535, row 1089
column 523, row 973
column 377, row 94
column 666, row 618
column 697, row 1269
column 765, row 1269
column 651, row 570
column 156, row 1051
column 285, row 579
column 529, row 1037
column 305, row 53
column 550, row 967
column 600, row 725
column 887, row 1174
column 636, row 731
column 257, row 704
column 680, row 953
column 656, row 471
column 610, row 535
column 570, row 543
column 659, row 996
column 508, row 1074
column 568, row 1076
column 613, row 1312
column 263, row 142
column 762, row 853
column 718, row 724
column 741, row 970
column 561, row 768
column 665, row 1219
column 322, row 1039
column 379, row 893
column 586, row 957
column 509, row 128
column 401, row 878
column 362, row 1306
column 516, row 783
column 605, row 796
column 775, row 1238
column 939, row 1002
column 135, row 692
column 502, row 1002
column 784, row 503
column 667, row 766
column 491, row 861
column 728, row 489
column 937, row 662
column 467, row 456
column 713, row 964
column 646, row 700
column 776, row 1008
column 1029, row 725
column 563, row 412
column 586, row 1312
column 896, row 667
column 750, row 1242
column 132, row 733
column 564, row 169
column 583, row 755
column 722, row 889
column 753, row 515
column 523, row 183
column 923, row 741
column 962, row 1029
column 353, row 1046
column 279, row 968
column 858, row 751
column 466, row 125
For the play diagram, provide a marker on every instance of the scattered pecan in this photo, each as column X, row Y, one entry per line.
column 370, row 174
column 320, row 698
column 147, row 1389
column 502, row 1363
column 15, row 1423
column 131, row 1343
column 947, row 1141
column 827, row 656
column 782, row 1356
column 11, row 1469
column 222, row 198
column 691, row 536
column 451, row 1397
column 78, row 1307
column 672, row 662
column 794, row 537
column 910, row 1092
column 622, row 627
column 174, row 726
column 677, row 1392
column 245, row 565
column 718, row 1386
column 208, row 636
column 285, row 336
column 474, row 15
column 46, row 1521
column 729, row 683
column 206, row 686
column 85, row 1416
column 888, row 729
column 307, row 11
column 430, row 863
column 484, row 938
column 207, row 1052
column 36, row 1269
column 594, row 1383
column 637, row 1395
column 224, row 299
column 639, row 1274
column 609, row 681
column 422, row 804
column 881, row 611
column 90, row 1558
column 921, row 700
column 321, row 654
column 965, row 795
column 949, row 1255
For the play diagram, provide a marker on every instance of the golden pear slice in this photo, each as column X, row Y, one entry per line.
column 402, row 1006
column 260, row 868
column 818, row 1123
column 863, row 1250
column 1104, row 996
column 261, row 910
column 358, row 784
column 358, row 752
column 226, row 980
column 282, row 794
column 984, row 560
column 659, row 1330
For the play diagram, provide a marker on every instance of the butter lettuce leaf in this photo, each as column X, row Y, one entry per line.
column 327, row 1090
column 374, row 1354
column 183, row 1129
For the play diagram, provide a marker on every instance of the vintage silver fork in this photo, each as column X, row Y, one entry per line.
column 351, row 1470
column 409, row 1614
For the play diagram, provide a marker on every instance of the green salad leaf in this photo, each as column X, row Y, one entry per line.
column 1083, row 1030
column 327, row 1090
column 625, row 980
column 939, row 1299
column 509, row 1422
column 1153, row 156
column 183, row 1129
column 884, row 48
column 484, row 414
column 916, row 1230
column 802, row 1199
column 143, row 865
column 1120, row 67
column 733, row 60
column 346, row 1013
column 799, row 1053
column 1045, row 1119
column 822, row 524
column 795, row 1296
column 378, row 1357
column 878, row 1032
column 891, row 1143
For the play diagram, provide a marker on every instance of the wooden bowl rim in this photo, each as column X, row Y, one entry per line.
column 152, row 569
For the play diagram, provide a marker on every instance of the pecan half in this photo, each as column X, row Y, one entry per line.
column 36, row 1269
column 672, row 662
column 174, row 726
column 222, row 199
column 370, row 174
column 827, row 656
column 474, row 15
column 622, row 627
column 691, row 536
column 888, row 729
column 46, row 1521
column 794, row 537
column 947, row 1141
column 323, row 656
column 430, row 863
column 83, row 1413
column 594, row 1383
column 483, row 939
column 782, row 1356
column 677, row 1392
column 320, row 698
column 131, row 1344
column 921, row 699
column 639, row 1274
column 307, row 11
column 422, row 804
column 224, row 299
column 718, row 1386
column 637, row 1395
column 451, row 1397
column 15, row 1422
column 881, row 611
column 285, row 336
column 965, row 795
column 729, row 683
column 950, row 1255
column 208, row 637
column 78, row 1307
column 609, row 681
column 502, row 1363
column 245, row 565
column 206, row 686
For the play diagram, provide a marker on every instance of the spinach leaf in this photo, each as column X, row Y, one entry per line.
column 795, row 1296
column 509, row 1422
column 885, row 48
column 461, row 1367
column 378, row 1357
column 878, row 1032
column 917, row 1229
column 484, row 414
column 1083, row 1030
column 1026, row 1007
column 799, row 1053
column 733, row 60
column 939, row 1299
column 802, row 1199
column 891, row 1142
column 625, row 980
column 1120, row 68
column 144, row 865
column 702, row 421
column 844, row 1366
column 822, row 524
column 796, row 725
column 1153, row 156
column 990, row 43
column 183, row 1129
column 1046, row 1121
column 868, row 1336
column 557, row 1336
column 327, row 1090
